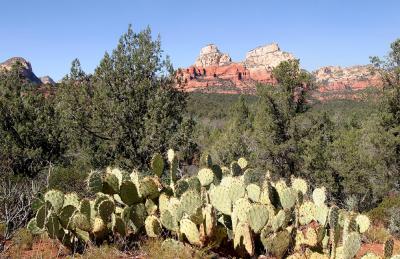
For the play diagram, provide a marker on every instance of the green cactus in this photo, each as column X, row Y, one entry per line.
column 321, row 213
column 243, row 240
column 225, row 171
column 191, row 203
column 53, row 226
column 236, row 189
column 66, row 217
column 300, row 185
column 169, row 221
column 306, row 212
column 129, row 193
column 278, row 221
column 370, row 256
column 55, row 198
column 235, row 168
column 287, row 197
column 333, row 219
column 206, row 176
column 94, row 182
column 180, row 187
column 319, row 196
column 41, row 217
column 220, row 200
column 105, row 209
column 194, row 184
column 33, row 228
column 153, row 226
column 148, row 188
column 242, row 162
column 99, row 228
column 241, row 208
column 277, row 244
column 157, row 164
column 171, row 155
column 253, row 192
column 81, row 221
column 151, row 207
column 269, row 195
column 351, row 245
column 257, row 217
column 71, row 199
column 363, row 223
column 110, row 184
column 388, row 248
column 190, row 231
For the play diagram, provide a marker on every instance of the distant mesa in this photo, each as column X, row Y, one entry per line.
column 215, row 72
column 47, row 80
column 26, row 71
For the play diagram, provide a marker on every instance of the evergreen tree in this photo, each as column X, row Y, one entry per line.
column 30, row 137
column 275, row 126
column 130, row 108
column 235, row 141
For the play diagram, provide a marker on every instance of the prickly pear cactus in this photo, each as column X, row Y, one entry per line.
column 243, row 240
column 157, row 164
column 55, row 198
column 189, row 229
column 206, row 176
column 153, row 226
column 351, row 245
column 257, row 217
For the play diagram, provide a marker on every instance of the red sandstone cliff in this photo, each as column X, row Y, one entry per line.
column 214, row 72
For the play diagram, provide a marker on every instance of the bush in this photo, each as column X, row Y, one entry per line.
column 381, row 214
column 69, row 179
column 23, row 239
column 377, row 234
column 394, row 222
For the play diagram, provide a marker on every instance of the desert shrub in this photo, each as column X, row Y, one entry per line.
column 156, row 248
column 394, row 222
column 70, row 178
column 23, row 239
column 16, row 197
column 382, row 212
column 377, row 234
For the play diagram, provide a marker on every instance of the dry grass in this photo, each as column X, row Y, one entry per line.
column 377, row 234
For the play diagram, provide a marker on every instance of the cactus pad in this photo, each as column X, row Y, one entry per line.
column 363, row 223
column 153, row 226
column 129, row 193
column 55, row 198
column 220, row 200
column 206, row 176
column 189, row 229
column 351, row 245
column 253, row 192
column 243, row 240
column 242, row 162
column 257, row 217
column 110, row 184
column 319, row 196
column 300, row 185
column 157, row 164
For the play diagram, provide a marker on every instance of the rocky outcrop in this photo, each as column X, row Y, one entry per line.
column 46, row 80
column 211, row 56
column 214, row 72
column 26, row 69
column 266, row 57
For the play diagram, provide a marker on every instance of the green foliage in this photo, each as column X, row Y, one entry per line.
column 31, row 138
column 23, row 239
column 129, row 109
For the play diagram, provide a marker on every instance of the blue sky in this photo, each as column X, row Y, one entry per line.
column 50, row 34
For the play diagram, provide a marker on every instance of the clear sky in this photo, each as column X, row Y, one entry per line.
column 50, row 33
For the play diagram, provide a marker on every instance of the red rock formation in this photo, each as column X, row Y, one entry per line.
column 221, row 75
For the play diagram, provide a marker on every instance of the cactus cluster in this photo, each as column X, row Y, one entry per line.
column 233, row 205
